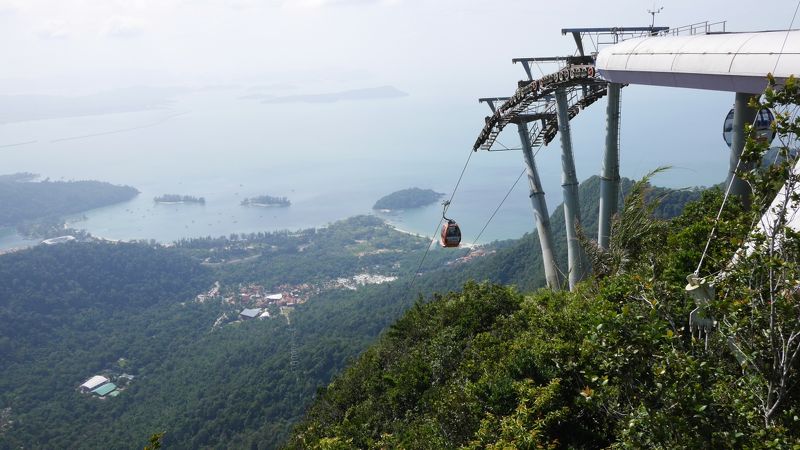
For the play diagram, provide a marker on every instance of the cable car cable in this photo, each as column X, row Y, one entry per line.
column 422, row 261
column 722, row 207
column 728, row 190
column 499, row 206
column 428, row 248
column 507, row 194
column 501, row 144
column 716, row 220
column 786, row 37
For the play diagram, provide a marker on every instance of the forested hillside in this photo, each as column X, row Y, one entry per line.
column 24, row 199
column 73, row 310
column 70, row 310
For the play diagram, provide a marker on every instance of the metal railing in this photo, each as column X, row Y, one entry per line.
column 705, row 27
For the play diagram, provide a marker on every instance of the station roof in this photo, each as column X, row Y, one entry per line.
column 737, row 62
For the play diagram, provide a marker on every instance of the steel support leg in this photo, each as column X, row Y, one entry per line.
column 569, row 182
column 541, row 217
column 742, row 114
column 609, row 174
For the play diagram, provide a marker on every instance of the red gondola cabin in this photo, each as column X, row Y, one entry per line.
column 451, row 234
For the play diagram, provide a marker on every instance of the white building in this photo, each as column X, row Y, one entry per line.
column 58, row 240
column 250, row 313
column 93, row 383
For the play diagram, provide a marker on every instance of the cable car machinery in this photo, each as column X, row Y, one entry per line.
column 541, row 108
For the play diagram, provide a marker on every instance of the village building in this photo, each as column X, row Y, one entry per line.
column 105, row 389
column 58, row 240
column 250, row 313
column 93, row 383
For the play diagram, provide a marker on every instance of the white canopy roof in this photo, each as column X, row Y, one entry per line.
column 94, row 382
column 737, row 62
column 250, row 312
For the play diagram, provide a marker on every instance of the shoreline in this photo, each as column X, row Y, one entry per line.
column 19, row 242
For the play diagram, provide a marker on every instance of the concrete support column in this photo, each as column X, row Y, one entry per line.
column 569, row 181
column 742, row 114
column 541, row 217
column 609, row 174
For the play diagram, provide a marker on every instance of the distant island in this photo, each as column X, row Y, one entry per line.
column 26, row 198
column 175, row 198
column 266, row 200
column 408, row 198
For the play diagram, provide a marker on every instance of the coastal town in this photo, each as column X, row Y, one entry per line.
column 253, row 301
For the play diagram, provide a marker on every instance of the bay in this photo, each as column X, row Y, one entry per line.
column 332, row 160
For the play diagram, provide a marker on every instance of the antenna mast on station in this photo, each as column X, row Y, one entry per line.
column 653, row 13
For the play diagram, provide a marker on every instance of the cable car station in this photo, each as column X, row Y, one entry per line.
column 698, row 56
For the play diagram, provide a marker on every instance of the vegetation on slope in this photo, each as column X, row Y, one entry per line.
column 610, row 364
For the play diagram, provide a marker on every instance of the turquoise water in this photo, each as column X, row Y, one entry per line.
column 331, row 160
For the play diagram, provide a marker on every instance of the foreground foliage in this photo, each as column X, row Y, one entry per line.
column 612, row 364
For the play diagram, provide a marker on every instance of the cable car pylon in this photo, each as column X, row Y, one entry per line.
column 542, row 108
column 541, row 216
column 609, row 174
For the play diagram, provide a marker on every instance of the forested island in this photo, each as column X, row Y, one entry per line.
column 175, row 198
column 24, row 199
column 408, row 198
column 266, row 200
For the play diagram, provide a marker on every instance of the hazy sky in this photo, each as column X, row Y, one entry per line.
column 444, row 54
column 441, row 47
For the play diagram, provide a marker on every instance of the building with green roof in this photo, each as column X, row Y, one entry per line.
column 105, row 389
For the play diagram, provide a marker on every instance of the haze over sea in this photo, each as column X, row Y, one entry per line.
column 334, row 159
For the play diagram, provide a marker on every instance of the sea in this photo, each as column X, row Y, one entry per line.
column 333, row 160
